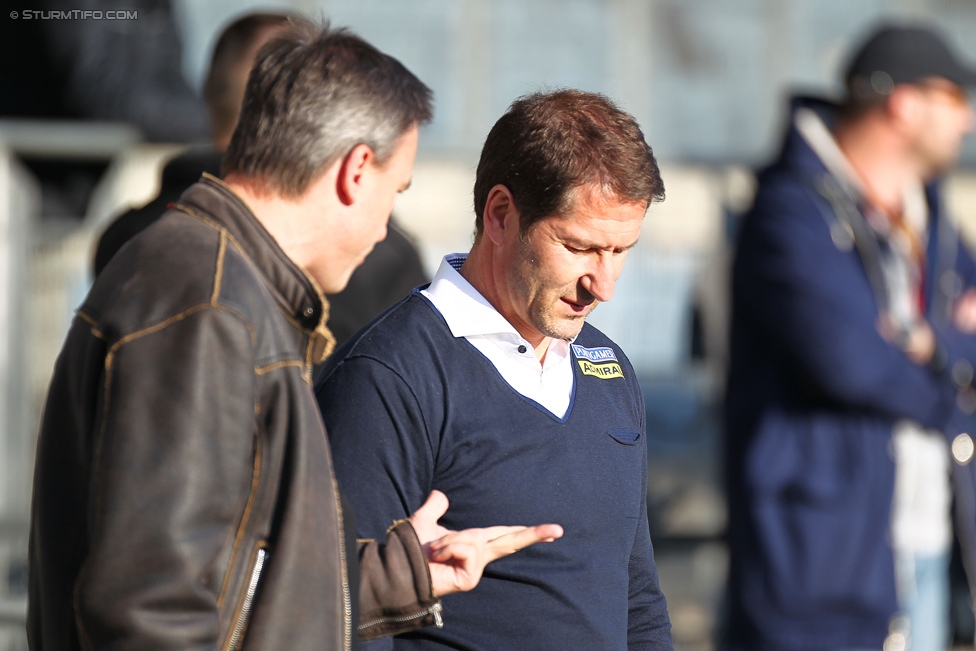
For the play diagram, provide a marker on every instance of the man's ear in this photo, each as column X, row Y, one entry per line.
column 904, row 106
column 352, row 169
column 501, row 215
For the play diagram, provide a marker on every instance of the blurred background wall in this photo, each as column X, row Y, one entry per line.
column 707, row 80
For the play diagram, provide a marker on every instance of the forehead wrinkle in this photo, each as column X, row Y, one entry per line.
column 595, row 232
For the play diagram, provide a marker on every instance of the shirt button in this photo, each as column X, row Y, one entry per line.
column 962, row 449
column 522, row 349
column 309, row 311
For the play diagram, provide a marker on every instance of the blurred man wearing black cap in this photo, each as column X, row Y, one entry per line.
column 852, row 351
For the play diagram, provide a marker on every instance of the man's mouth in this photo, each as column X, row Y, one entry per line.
column 577, row 308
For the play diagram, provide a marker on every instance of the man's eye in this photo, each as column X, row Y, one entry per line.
column 573, row 249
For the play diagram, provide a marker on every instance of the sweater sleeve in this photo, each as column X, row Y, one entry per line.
column 382, row 459
column 648, row 622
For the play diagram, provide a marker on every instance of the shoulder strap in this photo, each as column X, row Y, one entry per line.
column 849, row 229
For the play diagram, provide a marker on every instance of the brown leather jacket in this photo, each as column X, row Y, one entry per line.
column 183, row 492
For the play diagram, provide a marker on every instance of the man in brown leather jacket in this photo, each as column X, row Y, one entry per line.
column 183, row 493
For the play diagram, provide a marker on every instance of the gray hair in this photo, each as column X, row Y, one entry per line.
column 313, row 95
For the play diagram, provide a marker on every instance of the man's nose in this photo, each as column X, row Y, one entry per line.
column 602, row 278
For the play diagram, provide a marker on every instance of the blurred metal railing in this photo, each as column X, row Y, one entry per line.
column 43, row 274
column 19, row 208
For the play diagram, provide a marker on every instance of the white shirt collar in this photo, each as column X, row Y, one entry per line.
column 469, row 314
column 466, row 311
column 471, row 317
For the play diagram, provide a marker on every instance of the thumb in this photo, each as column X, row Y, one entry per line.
column 433, row 509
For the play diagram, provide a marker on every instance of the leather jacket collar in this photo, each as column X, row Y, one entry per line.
column 296, row 292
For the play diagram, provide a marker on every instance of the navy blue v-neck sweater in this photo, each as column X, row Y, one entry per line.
column 410, row 408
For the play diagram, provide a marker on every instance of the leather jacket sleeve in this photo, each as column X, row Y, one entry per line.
column 395, row 594
column 173, row 459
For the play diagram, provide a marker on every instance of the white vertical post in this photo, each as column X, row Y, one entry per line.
column 19, row 206
column 19, row 209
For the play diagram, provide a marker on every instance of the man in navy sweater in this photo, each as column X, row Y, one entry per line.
column 489, row 386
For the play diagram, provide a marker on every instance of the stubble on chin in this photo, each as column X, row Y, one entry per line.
column 561, row 327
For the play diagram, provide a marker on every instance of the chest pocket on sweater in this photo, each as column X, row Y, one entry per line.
column 625, row 436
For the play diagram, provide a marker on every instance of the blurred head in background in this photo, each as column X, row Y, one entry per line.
column 232, row 59
column 905, row 82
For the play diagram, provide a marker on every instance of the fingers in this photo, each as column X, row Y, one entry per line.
column 433, row 509
column 500, row 541
column 424, row 519
column 458, row 559
column 455, row 568
column 490, row 533
column 454, row 552
column 549, row 531
column 920, row 345
column 965, row 312
column 510, row 543
column 478, row 537
column 918, row 342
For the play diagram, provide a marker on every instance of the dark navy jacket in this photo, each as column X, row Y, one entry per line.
column 410, row 408
column 813, row 394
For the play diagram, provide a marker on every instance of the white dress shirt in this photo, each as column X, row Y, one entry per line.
column 470, row 316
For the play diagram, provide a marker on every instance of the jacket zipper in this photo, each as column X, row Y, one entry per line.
column 434, row 610
column 252, row 586
column 344, row 573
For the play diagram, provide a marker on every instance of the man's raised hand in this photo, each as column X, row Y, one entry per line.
column 458, row 558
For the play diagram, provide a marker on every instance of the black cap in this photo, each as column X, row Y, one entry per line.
column 902, row 55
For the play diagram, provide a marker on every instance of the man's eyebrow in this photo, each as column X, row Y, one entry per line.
column 586, row 246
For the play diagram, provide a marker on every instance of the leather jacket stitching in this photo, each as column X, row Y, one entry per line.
column 245, row 519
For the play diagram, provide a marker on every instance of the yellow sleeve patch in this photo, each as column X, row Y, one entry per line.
column 602, row 371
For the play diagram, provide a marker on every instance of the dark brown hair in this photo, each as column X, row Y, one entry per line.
column 223, row 89
column 314, row 94
column 548, row 145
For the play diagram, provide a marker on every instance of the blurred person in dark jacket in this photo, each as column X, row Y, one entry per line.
column 125, row 69
column 123, row 66
column 852, row 351
column 223, row 90
column 183, row 491
column 391, row 269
